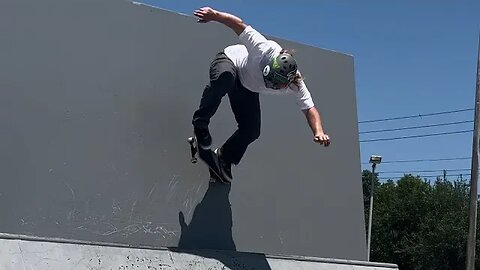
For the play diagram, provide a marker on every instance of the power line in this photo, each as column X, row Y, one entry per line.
column 424, row 171
column 416, row 136
column 425, row 176
column 417, row 127
column 414, row 116
column 422, row 160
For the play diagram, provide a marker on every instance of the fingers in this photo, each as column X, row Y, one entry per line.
column 199, row 14
column 202, row 14
column 322, row 139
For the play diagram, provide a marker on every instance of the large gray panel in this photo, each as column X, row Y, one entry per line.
column 96, row 99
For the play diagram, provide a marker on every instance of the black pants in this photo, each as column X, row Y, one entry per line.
column 245, row 105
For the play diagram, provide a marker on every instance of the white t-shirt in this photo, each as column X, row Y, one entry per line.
column 250, row 59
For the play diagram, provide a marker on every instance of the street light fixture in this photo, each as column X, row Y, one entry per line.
column 374, row 159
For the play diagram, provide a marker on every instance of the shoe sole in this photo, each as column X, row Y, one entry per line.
column 205, row 147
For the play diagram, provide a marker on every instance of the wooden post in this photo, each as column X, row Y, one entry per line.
column 470, row 265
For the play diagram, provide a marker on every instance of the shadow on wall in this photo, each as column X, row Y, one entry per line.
column 209, row 233
column 211, row 224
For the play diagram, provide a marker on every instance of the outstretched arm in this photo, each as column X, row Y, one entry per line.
column 207, row 14
column 315, row 123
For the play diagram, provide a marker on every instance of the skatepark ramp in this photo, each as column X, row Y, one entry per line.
column 27, row 253
column 96, row 103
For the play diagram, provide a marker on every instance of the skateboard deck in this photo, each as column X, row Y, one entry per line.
column 208, row 157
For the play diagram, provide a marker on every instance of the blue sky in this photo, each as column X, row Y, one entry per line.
column 411, row 58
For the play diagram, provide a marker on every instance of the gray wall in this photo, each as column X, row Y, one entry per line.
column 96, row 99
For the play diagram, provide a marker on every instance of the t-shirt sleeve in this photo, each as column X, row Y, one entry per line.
column 253, row 40
column 303, row 98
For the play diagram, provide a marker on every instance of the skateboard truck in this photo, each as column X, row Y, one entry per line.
column 193, row 150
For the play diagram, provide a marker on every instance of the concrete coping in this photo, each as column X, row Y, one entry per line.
column 21, row 237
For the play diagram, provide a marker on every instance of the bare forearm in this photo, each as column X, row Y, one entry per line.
column 207, row 14
column 232, row 21
column 314, row 120
column 315, row 123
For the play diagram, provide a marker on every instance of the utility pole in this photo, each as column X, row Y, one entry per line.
column 474, row 173
column 374, row 159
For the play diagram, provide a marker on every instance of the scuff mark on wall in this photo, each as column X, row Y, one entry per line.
column 117, row 209
column 103, row 227
column 171, row 188
column 151, row 191
column 131, row 211
column 71, row 190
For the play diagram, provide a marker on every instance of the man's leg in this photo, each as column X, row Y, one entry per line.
column 222, row 78
column 246, row 108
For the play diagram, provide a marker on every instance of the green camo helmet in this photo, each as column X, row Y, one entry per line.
column 280, row 72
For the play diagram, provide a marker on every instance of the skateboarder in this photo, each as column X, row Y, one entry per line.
column 242, row 71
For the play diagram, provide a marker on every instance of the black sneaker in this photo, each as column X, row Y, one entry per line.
column 225, row 167
column 204, row 140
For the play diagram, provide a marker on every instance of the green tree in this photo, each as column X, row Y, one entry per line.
column 418, row 224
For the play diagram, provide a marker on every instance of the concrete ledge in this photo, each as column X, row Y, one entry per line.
column 29, row 252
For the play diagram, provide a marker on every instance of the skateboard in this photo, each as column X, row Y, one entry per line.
column 209, row 158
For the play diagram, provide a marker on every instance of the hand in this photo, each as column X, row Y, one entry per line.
column 205, row 14
column 322, row 139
